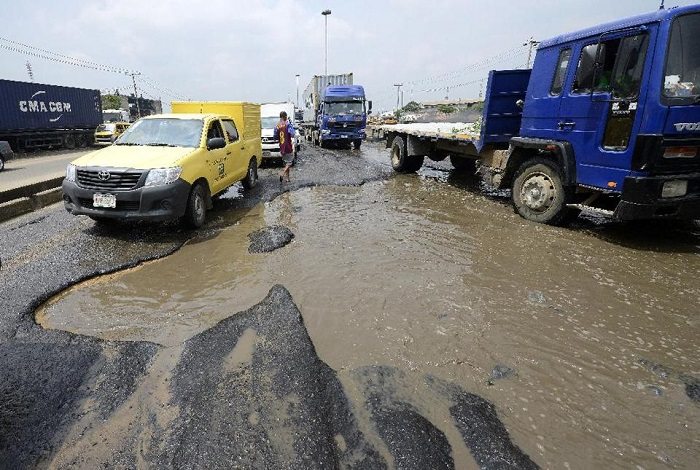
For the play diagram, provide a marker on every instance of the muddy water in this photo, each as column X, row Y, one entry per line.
column 419, row 274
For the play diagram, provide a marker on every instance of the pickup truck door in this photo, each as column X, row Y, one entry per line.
column 598, row 114
column 235, row 150
column 216, row 163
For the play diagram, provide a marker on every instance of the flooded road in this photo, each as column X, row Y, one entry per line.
column 585, row 339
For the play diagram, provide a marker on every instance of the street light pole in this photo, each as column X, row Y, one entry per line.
column 398, row 94
column 325, row 14
column 297, row 77
column 136, row 95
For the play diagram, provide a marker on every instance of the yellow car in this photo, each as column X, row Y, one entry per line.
column 166, row 166
column 107, row 133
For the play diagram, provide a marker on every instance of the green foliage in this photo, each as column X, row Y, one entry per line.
column 111, row 102
column 411, row 107
column 398, row 113
column 446, row 108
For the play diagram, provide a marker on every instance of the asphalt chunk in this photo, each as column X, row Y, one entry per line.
column 269, row 239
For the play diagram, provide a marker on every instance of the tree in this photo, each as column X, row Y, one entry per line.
column 111, row 102
column 446, row 108
column 411, row 107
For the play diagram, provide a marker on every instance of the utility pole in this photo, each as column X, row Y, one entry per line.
column 447, row 93
column 297, row 77
column 30, row 72
column 398, row 94
column 325, row 14
column 401, row 99
column 136, row 94
column 532, row 43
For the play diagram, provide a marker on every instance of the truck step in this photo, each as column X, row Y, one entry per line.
column 591, row 209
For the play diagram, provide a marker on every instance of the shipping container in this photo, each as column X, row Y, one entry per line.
column 34, row 115
column 314, row 91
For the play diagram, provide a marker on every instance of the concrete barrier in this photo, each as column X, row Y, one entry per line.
column 15, row 208
column 46, row 198
column 30, row 189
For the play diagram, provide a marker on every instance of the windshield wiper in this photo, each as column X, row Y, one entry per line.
column 160, row 144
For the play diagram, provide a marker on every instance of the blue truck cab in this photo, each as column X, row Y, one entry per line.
column 342, row 117
column 610, row 121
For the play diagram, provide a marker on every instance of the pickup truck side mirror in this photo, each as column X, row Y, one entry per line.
column 216, row 143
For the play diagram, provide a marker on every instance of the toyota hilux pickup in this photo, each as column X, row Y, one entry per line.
column 166, row 167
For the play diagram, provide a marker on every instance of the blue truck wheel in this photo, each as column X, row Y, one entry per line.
column 538, row 192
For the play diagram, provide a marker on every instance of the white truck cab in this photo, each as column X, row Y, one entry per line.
column 269, row 117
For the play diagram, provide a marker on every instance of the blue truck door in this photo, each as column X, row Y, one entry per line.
column 598, row 115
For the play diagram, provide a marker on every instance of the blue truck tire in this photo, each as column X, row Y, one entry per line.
column 538, row 193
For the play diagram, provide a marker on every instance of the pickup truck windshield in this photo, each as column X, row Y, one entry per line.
column 163, row 132
column 345, row 107
column 682, row 75
column 269, row 122
column 106, row 128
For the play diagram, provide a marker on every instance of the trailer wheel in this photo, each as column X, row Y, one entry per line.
column 196, row 211
column 69, row 141
column 251, row 177
column 463, row 164
column 402, row 162
column 538, row 193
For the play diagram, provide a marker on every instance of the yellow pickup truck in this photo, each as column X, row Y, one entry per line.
column 168, row 166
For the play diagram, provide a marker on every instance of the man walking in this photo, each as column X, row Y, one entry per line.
column 284, row 131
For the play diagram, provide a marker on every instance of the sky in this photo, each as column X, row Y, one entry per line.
column 252, row 50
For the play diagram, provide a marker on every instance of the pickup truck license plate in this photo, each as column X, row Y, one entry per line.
column 104, row 200
column 343, row 137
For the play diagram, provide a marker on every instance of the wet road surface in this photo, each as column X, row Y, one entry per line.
column 23, row 171
column 421, row 324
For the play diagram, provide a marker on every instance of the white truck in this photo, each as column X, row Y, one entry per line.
column 269, row 117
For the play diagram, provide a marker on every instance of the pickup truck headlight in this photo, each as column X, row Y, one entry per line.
column 70, row 172
column 161, row 176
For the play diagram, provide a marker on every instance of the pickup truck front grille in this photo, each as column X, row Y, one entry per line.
column 108, row 180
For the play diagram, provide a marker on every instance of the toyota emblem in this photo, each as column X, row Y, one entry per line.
column 103, row 175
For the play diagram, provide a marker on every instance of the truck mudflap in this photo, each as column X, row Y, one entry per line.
column 157, row 203
column 657, row 197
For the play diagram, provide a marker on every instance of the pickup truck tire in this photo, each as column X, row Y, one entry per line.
column 538, row 193
column 400, row 161
column 251, row 176
column 463, row 164
column 196, row 210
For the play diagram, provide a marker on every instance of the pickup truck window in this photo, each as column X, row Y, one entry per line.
column 560, row 72
column 231, row 131
column 214, row 131
column 682, row 75
column 167, row 132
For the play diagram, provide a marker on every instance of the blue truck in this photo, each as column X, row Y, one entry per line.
column 336, row 111
column 607, row 120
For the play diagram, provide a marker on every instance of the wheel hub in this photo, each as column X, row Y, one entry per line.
column 538, row 192
column 395, row 157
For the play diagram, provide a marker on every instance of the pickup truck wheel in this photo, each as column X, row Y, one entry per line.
column 402, row 162
column 251, row 177
column 463, row 164
column 196, row 211
column 538, row 193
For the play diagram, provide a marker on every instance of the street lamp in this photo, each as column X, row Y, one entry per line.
column 297, row 77
column 325, row 14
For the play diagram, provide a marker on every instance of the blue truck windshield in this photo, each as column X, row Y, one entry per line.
column 682, row 75
column 345, row 107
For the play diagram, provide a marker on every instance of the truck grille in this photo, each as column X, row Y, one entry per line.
column 121, row 205
column 344, row 126
column 116, row 180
